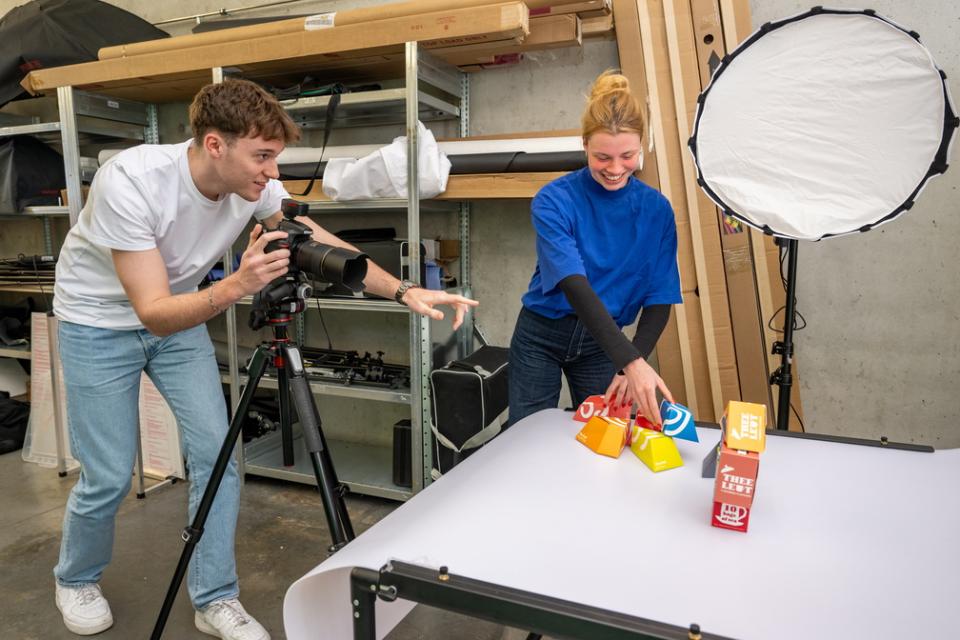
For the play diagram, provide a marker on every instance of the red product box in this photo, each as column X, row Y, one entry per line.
column 730, row 516
column 736, row 481
column 597, row 406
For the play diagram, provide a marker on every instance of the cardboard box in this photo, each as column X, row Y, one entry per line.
column 606, row 436
column 597, row 406
column 657, row 451
column 736, row 481
column 678, row 421
column 486, row 23
column 744, row 426
column 729, row 516
column 449, row 249
column 84, row 190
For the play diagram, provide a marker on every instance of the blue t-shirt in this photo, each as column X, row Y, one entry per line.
column 624, row 242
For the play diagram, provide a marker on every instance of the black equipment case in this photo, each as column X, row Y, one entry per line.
column 469, row 398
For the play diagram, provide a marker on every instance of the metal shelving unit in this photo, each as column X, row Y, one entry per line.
column 431, row 90
column 367, row 468
column 84, row 118
column 20, row 353
column 368, row 108
column 364, row 468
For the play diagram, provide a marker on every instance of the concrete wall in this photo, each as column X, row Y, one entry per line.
column 880, row 355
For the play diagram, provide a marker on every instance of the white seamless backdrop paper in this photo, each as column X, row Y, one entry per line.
column 844, row 541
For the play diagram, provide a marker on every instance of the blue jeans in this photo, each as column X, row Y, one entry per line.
column 542, row 349
column 101, row 373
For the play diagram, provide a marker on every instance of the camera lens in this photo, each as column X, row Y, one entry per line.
column 332, row 264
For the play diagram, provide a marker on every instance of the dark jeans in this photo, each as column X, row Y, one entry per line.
column 540, row 350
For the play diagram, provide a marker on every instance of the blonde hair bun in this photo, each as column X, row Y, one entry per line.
column 611, row 107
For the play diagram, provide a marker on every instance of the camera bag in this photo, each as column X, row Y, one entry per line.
column 469, row 401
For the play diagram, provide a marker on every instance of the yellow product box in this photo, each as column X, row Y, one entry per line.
column 744, row 426
column 604, row 435
column 657, row 451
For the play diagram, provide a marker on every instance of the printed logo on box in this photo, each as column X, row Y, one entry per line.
column 744, row 426
column 730, row 516
column 678, row 421
column 736, row 476
column 597, row 406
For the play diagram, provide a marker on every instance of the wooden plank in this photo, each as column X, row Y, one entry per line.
column 585, row 8
column 480, row 186
column 734, row 240
column 598, row 27
column 550, row 32
column 675, row 366
column 556, row 133
column 432, row 30
column 714, row 301
column 363, row 15
column 735, row 17
column 670, row 171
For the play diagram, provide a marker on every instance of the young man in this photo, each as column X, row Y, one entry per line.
column 156, row 220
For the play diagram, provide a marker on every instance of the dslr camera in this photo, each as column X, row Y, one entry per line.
column 309, row 260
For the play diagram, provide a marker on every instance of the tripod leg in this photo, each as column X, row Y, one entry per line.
column 286, row 420
column 192, row 534
column 331, row 491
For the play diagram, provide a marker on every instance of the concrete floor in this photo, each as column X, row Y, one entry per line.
column 282, row 534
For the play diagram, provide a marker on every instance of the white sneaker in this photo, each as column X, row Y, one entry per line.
column 85, row 610
column 228, row 619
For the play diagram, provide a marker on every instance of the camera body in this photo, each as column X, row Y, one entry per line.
column 319, row 261
column 297, row 232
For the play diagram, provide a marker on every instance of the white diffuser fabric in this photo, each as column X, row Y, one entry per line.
column 822, row 126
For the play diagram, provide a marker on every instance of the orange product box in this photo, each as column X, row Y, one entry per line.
column 730, row 516
column 604, row 435
column 744, row 426
column 736, row 481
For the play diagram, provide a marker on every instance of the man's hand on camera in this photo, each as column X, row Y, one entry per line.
column 423, row 302
column 258, row 269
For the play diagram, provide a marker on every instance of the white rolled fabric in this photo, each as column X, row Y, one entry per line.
column 383, row 173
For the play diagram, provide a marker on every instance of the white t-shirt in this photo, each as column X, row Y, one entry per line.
column 145, row 198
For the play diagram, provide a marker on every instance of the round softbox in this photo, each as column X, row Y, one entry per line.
column 823, row 124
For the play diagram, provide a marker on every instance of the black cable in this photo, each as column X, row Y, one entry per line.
column 796, row 308
column 36, row 273
column 799, row 419
column 324, row 325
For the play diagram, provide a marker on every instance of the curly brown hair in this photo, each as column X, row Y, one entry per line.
column 240, row 108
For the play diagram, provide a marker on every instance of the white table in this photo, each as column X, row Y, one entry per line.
column 845, row 541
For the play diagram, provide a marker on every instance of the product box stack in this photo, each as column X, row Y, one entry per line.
column 738, row 463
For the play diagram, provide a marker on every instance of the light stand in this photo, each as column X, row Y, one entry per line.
column 783, row 377
column 274, row 306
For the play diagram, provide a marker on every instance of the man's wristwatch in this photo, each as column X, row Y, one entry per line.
column 404, row 286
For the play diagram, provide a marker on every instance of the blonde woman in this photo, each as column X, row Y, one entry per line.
column 606, row 251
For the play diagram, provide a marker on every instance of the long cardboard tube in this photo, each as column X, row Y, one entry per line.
column 662, row 120
column 294, row 25
column 735, row 15
column 280, row 53
column 703, row 221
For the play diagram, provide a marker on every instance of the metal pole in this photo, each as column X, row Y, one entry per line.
column 55, row 382
column 70, row 146
column 419, row 326
column 783, row 377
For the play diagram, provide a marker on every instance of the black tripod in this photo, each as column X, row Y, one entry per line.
column 274, row 307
